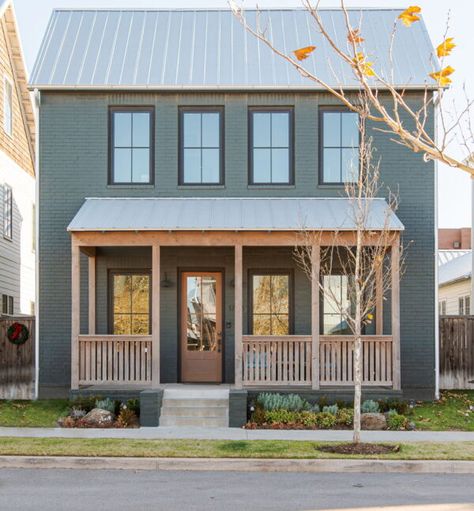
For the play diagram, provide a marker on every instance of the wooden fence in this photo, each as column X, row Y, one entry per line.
column 17, row 363
column 456, row 357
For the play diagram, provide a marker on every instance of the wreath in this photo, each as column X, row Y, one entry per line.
column 18, row 334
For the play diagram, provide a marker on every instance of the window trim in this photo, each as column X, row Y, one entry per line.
column 7, row 236
column 291, row 143
column 110, row 297
column 442, row 304
column 201, row 109
column 321, row 111
column 291, row 283
column 10, row 301
column 111, row 132
column 6, row 79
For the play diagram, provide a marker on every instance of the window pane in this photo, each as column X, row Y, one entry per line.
column 262, row 325
column 350, row 129
column 261, row 293
column 261, row 129
column 141, row 166
column 192, row 165
column 122, row 286
column 208, row 294
column 280, row 129
column 332, row 324
column 280, row 294
column 122, row 129
column 280, row 324
column 122, row 324
column 332, row 165
column 210, row 165
column 192, row 129
column 280, row 166
column 350, row 165
column 261, row 166
column 141, row 129
column 140, row 294
column 122, row 165
column 210, row 129
column 140, row 324
column 332, row 129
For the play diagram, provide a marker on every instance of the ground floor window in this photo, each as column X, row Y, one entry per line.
column 130, row 303
column 442, row 307
column 464, row 305
column 336, row 305
column 270, row 303
column 8, row 305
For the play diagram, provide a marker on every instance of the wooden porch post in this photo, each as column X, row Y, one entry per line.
column 315, row 269
column 238, row 259
column 379, row 301
column 75, row 312
column 155, row 313
column 395, row 259
column 92, row 293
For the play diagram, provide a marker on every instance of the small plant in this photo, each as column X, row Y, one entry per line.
column 402, row 407
column 325, row 420
column 332, row 409
column 342, row 404
column 315, row 408
column 292, row 402
column 280, row 416
column 134, row 405
column 395, row 421
column 86, row 403
column 106, row 404
column 370, row 406
column 345, row 417
column 323, row 401
column 127, row 418
column 258, row 415
column 77, row 413
column 308, row 419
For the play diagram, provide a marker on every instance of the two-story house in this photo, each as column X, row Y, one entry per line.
column 17, row 174
column 178, row 157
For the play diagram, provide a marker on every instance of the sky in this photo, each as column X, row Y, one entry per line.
column 454, row 197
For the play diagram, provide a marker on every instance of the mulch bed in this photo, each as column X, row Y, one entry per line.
column 359, row 448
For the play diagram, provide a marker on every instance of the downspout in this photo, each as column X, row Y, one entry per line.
column 436, row 254
column 37, row 103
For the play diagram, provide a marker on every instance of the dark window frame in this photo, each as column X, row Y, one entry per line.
column 321, row 111
column 110, row 295
column 8, row 305
column 182, row 110
column 291, row 143
column 291, row 294
column 7, row 227
column 111, row 137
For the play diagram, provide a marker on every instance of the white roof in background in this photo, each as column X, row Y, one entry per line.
column 456, row 269
column 446, row 255
column 222, row 214
column 173, row 49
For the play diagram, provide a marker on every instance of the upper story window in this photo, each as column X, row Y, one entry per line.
column 201, row 146
column 8, row 106
column 131, row 145
column 339, row 146
column 8, row 305
column 271, row 145
column 7, row 212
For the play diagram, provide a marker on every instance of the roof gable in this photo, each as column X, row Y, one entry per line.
column 199, row 49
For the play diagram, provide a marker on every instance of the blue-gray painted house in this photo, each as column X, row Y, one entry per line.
column 154, row 126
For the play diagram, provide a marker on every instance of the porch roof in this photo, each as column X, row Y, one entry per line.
column 227, row 214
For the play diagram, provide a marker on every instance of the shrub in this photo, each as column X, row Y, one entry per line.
column 395, row 421
column 280, row 416
column 106, row 404
column 323, row 401
column 394, row 404
column 127, row 418
column 325, row 420
column 86, row 403
column 292, row 402
column 134, row 405
column 333, row 409
column 258, row 415
column 370, row 406
column 345, row 417
column 315, row 408
column 342, row 404
column 77, row 413
column 308, row 419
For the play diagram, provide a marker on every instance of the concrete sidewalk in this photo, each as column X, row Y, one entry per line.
column 240, row 434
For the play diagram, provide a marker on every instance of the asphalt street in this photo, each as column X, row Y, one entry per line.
column 71, row 490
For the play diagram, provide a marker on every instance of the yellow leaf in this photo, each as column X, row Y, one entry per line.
column 409, row 16
column 365, row 66
column 370, row 316
column 442, row 76
column 445, row 48
column 355, row 37
column 303, row 53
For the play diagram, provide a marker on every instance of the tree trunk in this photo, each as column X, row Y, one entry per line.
column 357, row 386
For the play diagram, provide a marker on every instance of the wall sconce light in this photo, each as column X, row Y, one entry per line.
column 166, row 282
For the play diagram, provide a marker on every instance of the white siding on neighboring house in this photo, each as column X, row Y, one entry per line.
column 17, row 256
column 451, row 294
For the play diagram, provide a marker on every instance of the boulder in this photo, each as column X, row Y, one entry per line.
column 373, row 421
column 99, row 417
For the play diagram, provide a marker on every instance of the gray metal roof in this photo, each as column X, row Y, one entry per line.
column 456, row 269
column 171, row 49
column 221, row 214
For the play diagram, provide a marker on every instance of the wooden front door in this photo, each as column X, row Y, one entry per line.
column 201, row 327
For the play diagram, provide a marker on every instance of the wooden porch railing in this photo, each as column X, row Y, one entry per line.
column 336, row 360
column 115, row 359
column 276, row 360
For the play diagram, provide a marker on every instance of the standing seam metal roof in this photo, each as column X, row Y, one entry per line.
column 172, row 49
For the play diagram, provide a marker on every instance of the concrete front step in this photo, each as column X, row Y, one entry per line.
column 215, row 403
column 194, row 411
column 201, row 422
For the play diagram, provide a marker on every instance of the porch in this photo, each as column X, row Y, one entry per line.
column 310, row 360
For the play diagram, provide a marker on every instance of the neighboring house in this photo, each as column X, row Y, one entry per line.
column 178, row 160
column 17, row 174
column 454, row 277
column 454, row 239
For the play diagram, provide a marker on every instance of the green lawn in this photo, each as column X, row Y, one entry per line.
column 218, row 449
column 42, row 413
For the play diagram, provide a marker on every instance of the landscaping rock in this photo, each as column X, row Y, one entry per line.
column 373, row 421
column 411, row 426
column 99, row 417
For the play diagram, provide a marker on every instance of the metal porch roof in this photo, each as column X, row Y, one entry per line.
column 226, row 214
column 209, row 49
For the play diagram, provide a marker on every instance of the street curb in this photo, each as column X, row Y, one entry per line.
column 239, row 464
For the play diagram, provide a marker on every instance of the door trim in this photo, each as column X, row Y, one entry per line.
column 198, row 269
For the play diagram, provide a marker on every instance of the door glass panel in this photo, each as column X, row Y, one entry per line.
column 201, row 313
